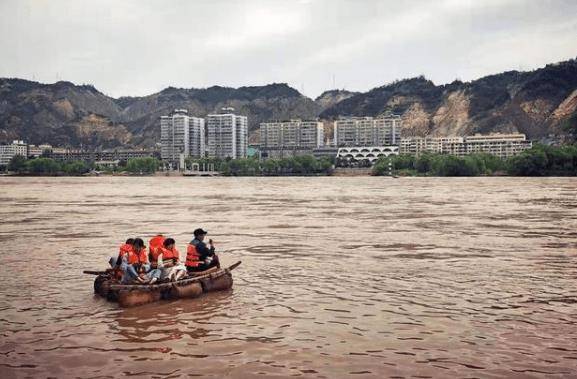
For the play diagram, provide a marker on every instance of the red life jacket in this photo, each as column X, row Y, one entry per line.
column 154, row 243
column 192, row 256
column 127, row 251
column 124, row 249
column 141, row 256
column 167, row 254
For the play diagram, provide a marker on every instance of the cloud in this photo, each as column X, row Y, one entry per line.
column 135, row 47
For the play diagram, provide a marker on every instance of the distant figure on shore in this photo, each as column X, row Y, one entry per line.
column 199, row 257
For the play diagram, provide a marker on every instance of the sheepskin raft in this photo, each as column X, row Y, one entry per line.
column 130, row 295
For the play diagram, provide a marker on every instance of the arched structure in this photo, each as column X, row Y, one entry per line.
column 367, row 153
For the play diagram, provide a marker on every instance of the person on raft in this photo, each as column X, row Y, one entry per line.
column 123, row 250
column 199, row 257
column 167, row 260
column 133, row 261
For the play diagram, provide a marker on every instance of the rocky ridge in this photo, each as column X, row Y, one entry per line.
column 537, row 103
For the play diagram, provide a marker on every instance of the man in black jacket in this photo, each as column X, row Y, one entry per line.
column 204, row 254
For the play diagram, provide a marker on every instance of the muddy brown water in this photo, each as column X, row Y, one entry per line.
column 341, row 277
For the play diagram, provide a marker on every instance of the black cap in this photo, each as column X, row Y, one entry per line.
column 199, row 231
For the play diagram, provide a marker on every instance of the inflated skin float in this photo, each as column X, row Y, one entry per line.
column 130, row 295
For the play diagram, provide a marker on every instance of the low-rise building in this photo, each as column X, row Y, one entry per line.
column 37, row 151
column 65, row 155
column 500, row 145
column 366, row 153
column 439, row 145
column 329, row 152
column 7, row 152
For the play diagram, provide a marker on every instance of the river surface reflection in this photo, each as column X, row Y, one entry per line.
column 359, row 277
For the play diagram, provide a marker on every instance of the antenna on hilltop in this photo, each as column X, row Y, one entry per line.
column 334, row 81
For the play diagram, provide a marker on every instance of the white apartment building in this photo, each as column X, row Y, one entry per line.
column 174, row 136
column 439, row 145
column 181, row 134
column 500, row 145
column 384, row 130
column 197, row 137
column 280, row 139
column 7, row 152
column 227, row 135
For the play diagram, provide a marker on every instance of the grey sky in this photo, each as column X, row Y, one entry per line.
column 138, row 47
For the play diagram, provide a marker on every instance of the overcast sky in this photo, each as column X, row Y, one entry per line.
column 138, row 47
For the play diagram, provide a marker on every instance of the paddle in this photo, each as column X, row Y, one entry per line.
column 91, row 272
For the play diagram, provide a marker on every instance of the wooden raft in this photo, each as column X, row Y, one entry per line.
column 211, row 273
column 129, row 295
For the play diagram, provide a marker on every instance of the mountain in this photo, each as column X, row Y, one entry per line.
column 329, row 98
column 65, row 114
column 61, row 114
column 259, row 103
column 536, row 103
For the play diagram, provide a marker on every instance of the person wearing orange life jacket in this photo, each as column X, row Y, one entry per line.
column 139, row 254
column 168, row 261
column 116, row 261
column 154, row 243
column 199, row 257
column 142, row 264
column 135, row 263
column 122, row 251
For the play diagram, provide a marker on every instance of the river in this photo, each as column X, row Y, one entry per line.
column 341, row 277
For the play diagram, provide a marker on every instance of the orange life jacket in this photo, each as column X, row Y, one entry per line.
column 140, row 256
column 192, row 256
column 128, row 251
column 124, row 249
column 167, row 254
column 154, row 243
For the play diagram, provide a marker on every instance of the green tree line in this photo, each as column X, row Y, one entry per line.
column 48, row 166
column 538, row 161
column 299, row 165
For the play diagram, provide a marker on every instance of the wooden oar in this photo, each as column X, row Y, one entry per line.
column 90, row 272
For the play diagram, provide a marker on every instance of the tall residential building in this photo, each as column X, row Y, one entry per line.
column 500, row 145
column 197, row 137
column 384, row 130
column 281, row 139
column 7, row 152
column 181, row 134
column 174, row 136
column 227, row 135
